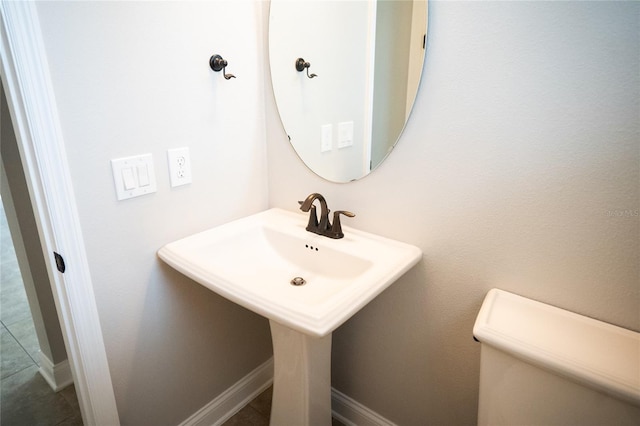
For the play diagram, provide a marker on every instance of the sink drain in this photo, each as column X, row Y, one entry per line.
column 298, row 281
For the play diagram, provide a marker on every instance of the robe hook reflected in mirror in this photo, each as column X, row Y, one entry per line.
column 301, row 65
column 217, row 63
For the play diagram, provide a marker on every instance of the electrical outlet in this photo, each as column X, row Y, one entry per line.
column 179, row 166
column 326, row 142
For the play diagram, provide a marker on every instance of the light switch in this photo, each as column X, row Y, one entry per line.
column 345, row 134
column 127, row 179
column 143, row 175
column 133, row 176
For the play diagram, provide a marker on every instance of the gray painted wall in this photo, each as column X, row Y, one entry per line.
column 133, row 78
column 520, row 154
column 521, row 149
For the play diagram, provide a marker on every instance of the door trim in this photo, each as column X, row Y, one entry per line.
column 25, row 76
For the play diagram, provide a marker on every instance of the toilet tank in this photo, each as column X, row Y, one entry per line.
column 541, row 365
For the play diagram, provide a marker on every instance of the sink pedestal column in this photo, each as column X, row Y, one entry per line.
column 301, row 378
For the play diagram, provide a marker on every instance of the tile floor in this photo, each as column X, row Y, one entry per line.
column 25, row 397
column 256, row 413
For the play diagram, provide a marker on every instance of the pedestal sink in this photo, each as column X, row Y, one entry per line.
column 305, row 284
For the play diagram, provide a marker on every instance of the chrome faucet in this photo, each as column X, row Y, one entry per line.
column 323, row 226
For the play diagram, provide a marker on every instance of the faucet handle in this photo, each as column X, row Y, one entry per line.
column 312, row 225
column 336, row 228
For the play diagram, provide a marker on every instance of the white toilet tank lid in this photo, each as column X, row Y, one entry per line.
column 593, row 352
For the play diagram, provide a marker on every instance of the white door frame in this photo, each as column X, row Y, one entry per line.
column 26, row 79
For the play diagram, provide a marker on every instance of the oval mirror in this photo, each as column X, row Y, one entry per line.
column 345, row 75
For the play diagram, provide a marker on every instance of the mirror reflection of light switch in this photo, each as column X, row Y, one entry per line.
column 345, row 134
column 326, row 142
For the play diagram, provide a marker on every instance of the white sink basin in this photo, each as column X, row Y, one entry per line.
column 251, row 261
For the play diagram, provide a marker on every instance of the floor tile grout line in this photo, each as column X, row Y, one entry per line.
column 258, row 412
column 21, row 345
column 19, row 371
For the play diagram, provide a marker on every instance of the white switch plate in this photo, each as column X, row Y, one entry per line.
column 326, row 141
column 133, row 176
column 345, row 134
column 179, row 166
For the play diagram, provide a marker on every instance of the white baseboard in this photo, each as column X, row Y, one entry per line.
column 352, row 413
column 225, row 405
column 58, row 376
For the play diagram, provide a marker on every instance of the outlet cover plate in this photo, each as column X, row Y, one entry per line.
column 179, row 166
column 326, row 138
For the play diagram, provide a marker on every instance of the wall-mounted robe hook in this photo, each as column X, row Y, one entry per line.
column 217, row 63
column 301, row 65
